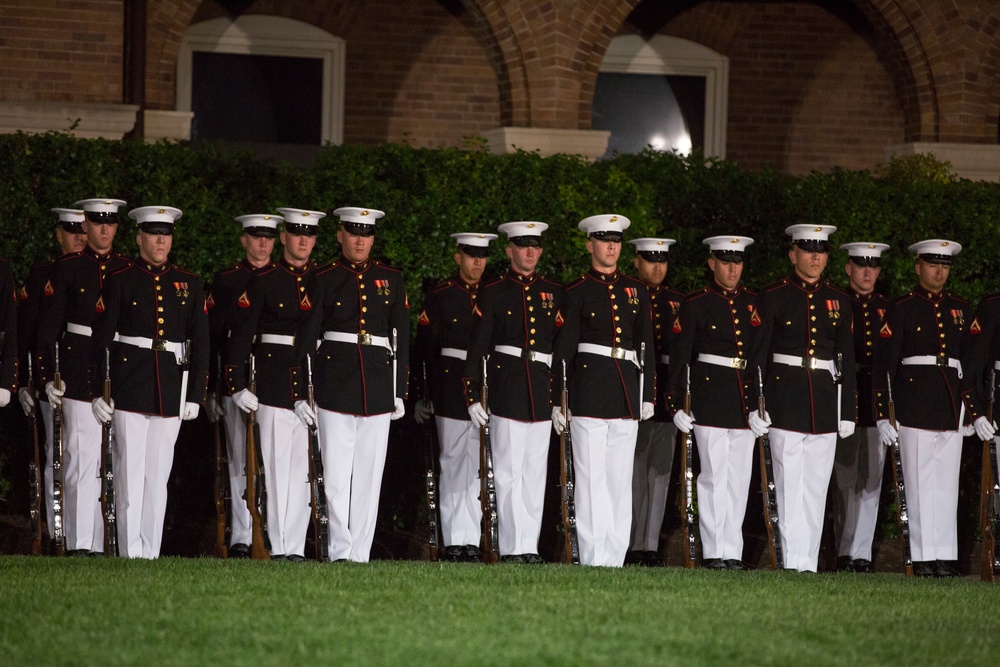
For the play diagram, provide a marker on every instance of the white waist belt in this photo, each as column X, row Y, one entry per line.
column 530, row 355
column 605, row 351
column 728, row 362
column 277, row 339
column 806, row 362
column 996, row 365
column 357, row 339
column 150, row 344
column 78, row 329
column 931, row 360
column 453, row 352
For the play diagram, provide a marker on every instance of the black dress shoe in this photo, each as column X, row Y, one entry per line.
column 734, row 564
column 633, row 558
column 95, row 554
column 471, row 553
column 863, row 565
column 845, row 564
column 925, row 568
column 454, row 554
column 77, row 553
column 512, row 558
column 945, row 569
column 651, row 559
column 339, row 560
column 239, row 551
column 279, row 557
column 533, row 559
column 714, row 564
column 295, row 558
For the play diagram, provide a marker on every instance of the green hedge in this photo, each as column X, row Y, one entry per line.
column 430, row 193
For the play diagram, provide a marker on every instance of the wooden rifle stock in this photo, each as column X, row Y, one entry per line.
column 256, row 493
column 902, row 515
column 487, row 484
column 34, row 471
column 223, row 494
column 767, row 488
column 430, row 476
column 571, row 543
column 108, row 472
column 988, row 496
column 317, row 485
column 689, row 527
column 58, row 536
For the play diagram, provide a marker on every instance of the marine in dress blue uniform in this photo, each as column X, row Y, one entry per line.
column 443, row 334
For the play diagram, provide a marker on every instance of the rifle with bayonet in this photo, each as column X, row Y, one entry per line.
column 487, row 483
column 317, row 486
column 223, row 494
column 430, row 475
column 767, row 487
column 256, row 493
column 108, row 471
column 572, row 545
column 58, row 536
column 897, row 474
column 34, row 470
column 689, row 527
column 989, row 497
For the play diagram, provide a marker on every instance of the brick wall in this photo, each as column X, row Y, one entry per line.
column 61, row 51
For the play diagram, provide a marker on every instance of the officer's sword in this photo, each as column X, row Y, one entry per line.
column 839, row 379
column 642, row 372
column 394, row 363
column 184, row 376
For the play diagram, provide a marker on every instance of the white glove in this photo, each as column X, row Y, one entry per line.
column 559, row 419
column 27, row 400
column 646, row 411
column 683, row 421
column 757, row 425
column 213, row 410
column 55, row 393
column 846, row 429
column 399, row 410
column 190, row 411
column 886, row 433
column 102, row 410
column 478, row 415
column 245, row 400
column 305, row 413
column 4, row 397
column 967, row 430
column 984, row 428
column 422, row 411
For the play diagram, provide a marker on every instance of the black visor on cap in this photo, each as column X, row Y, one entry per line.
column 813, row 245
column 526, row 241
column 731, row 256
column 358, row 228
column 71, row 227
column 613, row 237
column 653, row 255
column 474, row 250
column 301, row 230
column 158, row 228
column 933, row 258
column 263, row 232
column 873, row 262
column 102, row 217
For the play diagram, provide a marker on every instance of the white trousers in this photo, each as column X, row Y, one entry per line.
column 726, row 457
column 931, row 462
column 603, row 451
column 83, row 522
column 654, row 458
column 803, row 464
column 354, row 450
column 284, row 446
column 45, row 413
column 520, row 461
column 236, row 449
column 459, row 506
column 144, row 455
column 857, row 479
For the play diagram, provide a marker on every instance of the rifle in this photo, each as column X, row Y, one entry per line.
column 989, row 495
column 256, row 493
column 767, row 486
column 572, row 546
column 487, row 484
column 223, row 495
column 317, row 487
column 34, row 472
column 689, row 527
column 897, row 474
column 108, row 472
column 58, row 537
column 430, row 476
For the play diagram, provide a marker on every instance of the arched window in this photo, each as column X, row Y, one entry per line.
column 665, row 92
column 262, row 80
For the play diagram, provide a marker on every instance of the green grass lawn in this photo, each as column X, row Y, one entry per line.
column 205, row 611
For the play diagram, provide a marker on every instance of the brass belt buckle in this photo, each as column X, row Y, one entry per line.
column 530, row 355
column 941, row 361
column 740, row 364
column 159, row 345
column 364, row 339
column 618, row 352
